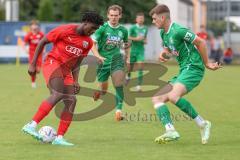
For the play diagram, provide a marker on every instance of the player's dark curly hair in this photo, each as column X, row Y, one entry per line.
column 92, row 17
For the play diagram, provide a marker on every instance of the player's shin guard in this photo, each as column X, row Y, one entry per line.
column 140, row 77
column 43, row 111
column 187, row 108
column 119, row 97
column 66, row 119
column 163, row 113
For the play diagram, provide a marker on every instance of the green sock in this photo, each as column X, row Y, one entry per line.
column 163, row 114
column 140, row 77
column 186, row 107
column 119, row 97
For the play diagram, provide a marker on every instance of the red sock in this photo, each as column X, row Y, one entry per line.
column 43, row 111
column 33, row 78
column 66, row 119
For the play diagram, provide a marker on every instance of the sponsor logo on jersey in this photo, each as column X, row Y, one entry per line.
column 188, row 36
column 113, row 40
column 35, row 41
column 73, row 50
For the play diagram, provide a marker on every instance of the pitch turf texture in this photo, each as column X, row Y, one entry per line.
column 217, row 99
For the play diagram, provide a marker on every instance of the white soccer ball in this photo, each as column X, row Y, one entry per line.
column 47, row 133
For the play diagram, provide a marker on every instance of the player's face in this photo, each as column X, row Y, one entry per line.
column 140, row 20
column 34, row 28
column 90, row 28
column 114, row 17
column 158, row 20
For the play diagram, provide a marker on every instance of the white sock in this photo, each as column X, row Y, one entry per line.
column 59, row 136
column 169, row 127
column 33, row 124
column 199, row 121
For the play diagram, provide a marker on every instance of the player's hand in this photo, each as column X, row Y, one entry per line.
column 126, row 45
column 145, row 41
column 213, row 66
column 32, row 70
column 76, row 87
column 101, row 59
column 163, row 56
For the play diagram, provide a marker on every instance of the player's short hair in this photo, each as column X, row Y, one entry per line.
column 34, row 22
column 160, row 9
column 115, row 7
column 140, row 14
column 92, row 17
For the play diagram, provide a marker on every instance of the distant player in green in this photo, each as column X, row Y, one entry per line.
column 191, row 54
column 138, row 35
column 109, row 39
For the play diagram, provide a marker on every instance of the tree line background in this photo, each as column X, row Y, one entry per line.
column 71, row 10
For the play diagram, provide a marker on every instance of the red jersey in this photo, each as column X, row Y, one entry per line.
column 203, row 35
column 33, row 40
column 68, row 46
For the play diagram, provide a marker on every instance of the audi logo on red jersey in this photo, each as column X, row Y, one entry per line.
column 74, row 50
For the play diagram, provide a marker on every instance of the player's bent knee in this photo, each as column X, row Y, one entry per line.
column 173, row 98
column 159, row 99
column 156, row 99
column 57, row 96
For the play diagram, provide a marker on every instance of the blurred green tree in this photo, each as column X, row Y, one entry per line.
column 219, row 27
column 45, row 10
column 28, row 9
column 2, row 14
column 71, row 10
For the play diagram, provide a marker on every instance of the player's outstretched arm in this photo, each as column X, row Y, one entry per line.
column 139, row 38
column 127, row 54
column 96, row 53
column 202, row 48
column 40, row 46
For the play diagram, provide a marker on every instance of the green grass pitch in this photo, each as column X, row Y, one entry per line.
column 216, row 99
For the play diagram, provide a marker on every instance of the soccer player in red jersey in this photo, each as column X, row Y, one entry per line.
column 203, row 33
column 71, row 43
column 32, row 39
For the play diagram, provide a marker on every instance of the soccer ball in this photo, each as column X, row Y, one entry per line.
column 47, row 133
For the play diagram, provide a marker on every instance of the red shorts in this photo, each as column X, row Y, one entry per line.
column 52, row 69
column 39, row 61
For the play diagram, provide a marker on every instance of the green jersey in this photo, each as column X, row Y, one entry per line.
column 179, row 41
column 135, row 31
column 110, row 39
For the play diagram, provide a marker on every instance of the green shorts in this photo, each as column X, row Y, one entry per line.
column 108, row 68
column 189, row 77
column 137, row 57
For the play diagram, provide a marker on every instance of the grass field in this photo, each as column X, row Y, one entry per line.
column 103, row 138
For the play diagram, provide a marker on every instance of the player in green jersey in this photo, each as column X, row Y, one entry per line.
column 191, row 54
column 109, row 39
column 138, row 35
